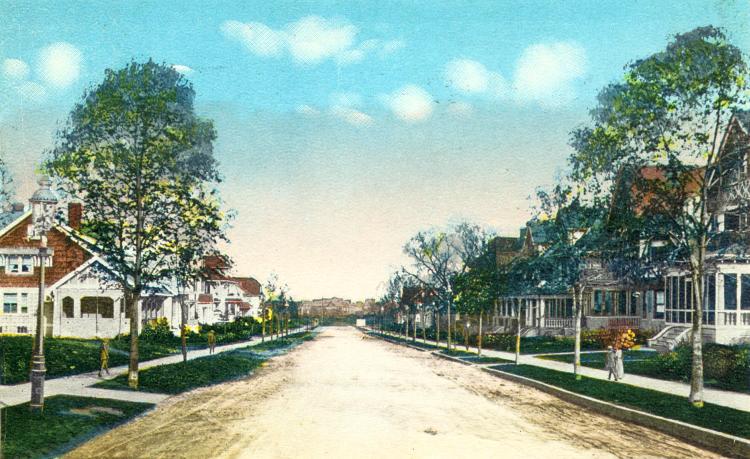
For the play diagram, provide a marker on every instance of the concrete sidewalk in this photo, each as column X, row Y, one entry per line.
column 736, row 400
column 80, row 384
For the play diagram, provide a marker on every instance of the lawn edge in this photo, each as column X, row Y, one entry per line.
column 713, row 440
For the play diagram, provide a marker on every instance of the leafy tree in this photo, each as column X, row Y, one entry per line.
column 669, row 113
column 134, row 151
column 478, row 288
column 438, row 257
column 6, row 184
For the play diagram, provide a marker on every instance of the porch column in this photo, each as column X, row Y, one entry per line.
column 541, row 311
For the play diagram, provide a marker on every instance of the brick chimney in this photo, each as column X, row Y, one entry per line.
column 75, row 213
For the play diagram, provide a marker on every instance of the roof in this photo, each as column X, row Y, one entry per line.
column 6, row 218
column 743, row 117
column 657, row 173
column 249, row 285
column 214, row 267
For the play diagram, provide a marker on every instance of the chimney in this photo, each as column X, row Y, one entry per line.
column 16, row 207
column 75, row 213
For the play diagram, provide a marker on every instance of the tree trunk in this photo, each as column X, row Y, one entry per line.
column 578, row 313
column 424, row 328
column 263, row 325
column 414, row 326
column 466, row 334
column 449, row 326
column 479, row 338
column 518, row 333
column 183, row 326
column 133, row 298
column 437, row 328
column 696, row 375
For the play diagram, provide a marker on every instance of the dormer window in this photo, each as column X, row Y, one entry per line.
column 19, row 264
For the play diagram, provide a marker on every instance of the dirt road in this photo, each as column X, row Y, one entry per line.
column 342, row 396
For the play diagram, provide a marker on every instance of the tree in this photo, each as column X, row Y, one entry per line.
column 134, row 151
column 438, row 257
column 6, row 184
column 670, row 113
column 478, row 287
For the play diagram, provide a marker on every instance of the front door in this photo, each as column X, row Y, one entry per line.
column 49, row 309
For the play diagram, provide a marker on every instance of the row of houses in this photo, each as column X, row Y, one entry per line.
column 82, row 298
column 661, row 301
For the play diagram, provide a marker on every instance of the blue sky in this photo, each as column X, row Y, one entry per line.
column 346, row 127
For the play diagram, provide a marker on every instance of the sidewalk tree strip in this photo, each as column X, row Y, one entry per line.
column 67, row 421
column 180, row 377
column 726, row 367
column 715, row 417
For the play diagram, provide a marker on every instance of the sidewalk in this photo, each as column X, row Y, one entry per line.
column 736, row 400
column 80, row 384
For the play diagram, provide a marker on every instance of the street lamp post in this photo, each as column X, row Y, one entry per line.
column 43, row 203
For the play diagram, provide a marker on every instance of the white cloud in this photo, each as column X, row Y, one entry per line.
column 60, row 64
column 410, row 103
column 15, row 69
column 307, row 110
column 32, row 91
column 546, row 71
column 258, row 38
column 345, row 105
column 310, row 40
column 313, row 39
column 183, row 69
column 470, row 76
column 352, row 116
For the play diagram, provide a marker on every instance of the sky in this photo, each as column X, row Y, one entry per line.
column 346, row 127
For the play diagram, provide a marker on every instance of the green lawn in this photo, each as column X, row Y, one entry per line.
column 179, row 377
column 719, row 372
column 67, row 421
column 722, row 419
column 63, row 356
column 397, row 339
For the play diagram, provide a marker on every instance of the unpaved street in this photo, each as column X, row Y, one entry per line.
column 341, row 396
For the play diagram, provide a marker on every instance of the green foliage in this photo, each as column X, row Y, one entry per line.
column 715, row 417
column 63, row 357
column 67, row 421
column 725, row 367
column 179, row 377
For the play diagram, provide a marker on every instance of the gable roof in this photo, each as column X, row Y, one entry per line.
column 249, row 285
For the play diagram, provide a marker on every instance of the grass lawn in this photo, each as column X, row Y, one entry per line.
column 722, row 419
column 67, row 421
column 179, row 377
column 647, row 363
column 63, row 356
column 175, row 378
column 473, row 357
column 397, row 339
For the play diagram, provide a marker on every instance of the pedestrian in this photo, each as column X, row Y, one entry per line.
column 211, row 341
column 104, row 356
column 619, row 365
column 611, row 363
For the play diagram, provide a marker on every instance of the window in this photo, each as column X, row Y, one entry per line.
column 10, row 303
column 622, row 305
column 731, row 221
column 730, row 291
column 660, row 303
column 711, row 291
column 67, row 307
column 745, row 291
column 24, row 303
column 22, row 264
column 93, row 306
column 648, row 303
column 23, row 330
column 598, row 302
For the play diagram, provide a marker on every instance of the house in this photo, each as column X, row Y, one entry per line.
column 82, row 297
column 659, row 299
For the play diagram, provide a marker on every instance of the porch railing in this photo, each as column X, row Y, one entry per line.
column 622, row 322
column 734, row 318
column 558, row 322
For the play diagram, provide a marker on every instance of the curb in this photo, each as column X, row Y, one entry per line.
column 720, row 442
column 451, row 358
